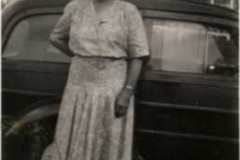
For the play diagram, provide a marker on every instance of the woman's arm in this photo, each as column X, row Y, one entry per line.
column 59, row 37
column 61, row 45
column 134, row 70
column 138, row 50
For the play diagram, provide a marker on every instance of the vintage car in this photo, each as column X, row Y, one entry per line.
column 187, row 97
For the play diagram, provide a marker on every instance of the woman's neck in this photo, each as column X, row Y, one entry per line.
column 102, row 4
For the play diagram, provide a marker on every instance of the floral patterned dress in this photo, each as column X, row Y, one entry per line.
column 87, row 128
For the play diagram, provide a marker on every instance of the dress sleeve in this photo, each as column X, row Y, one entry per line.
column 137, row 39
column 61, row 29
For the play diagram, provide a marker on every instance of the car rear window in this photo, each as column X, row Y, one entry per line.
column 175, row 45
column 29, row 40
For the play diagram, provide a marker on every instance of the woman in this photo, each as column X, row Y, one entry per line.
column 107, row 42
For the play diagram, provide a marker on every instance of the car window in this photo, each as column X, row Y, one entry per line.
column 175, row 45
column 231, row 4
column 29, row 40
column 184, row 46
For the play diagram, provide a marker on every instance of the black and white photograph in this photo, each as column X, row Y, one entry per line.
column 120, row 80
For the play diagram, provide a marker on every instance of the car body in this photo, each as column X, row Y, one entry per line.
column 186, row 103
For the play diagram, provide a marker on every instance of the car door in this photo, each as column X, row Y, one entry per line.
column 32, row 69
column 31, row 65
column 187, row 103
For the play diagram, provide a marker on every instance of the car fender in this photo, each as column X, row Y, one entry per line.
column 40, row 113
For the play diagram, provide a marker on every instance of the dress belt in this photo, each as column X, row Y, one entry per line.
column 100, row 61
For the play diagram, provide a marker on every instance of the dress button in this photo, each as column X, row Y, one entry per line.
column 100, row 65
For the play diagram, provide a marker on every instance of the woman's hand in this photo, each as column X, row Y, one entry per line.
column 122, row 102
